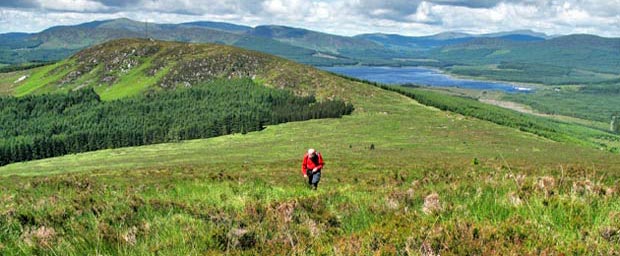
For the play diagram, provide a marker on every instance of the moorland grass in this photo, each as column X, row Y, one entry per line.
column 243, row 194
column 436, row 182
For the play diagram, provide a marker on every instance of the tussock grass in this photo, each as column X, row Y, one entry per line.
column 493, row 190
column 191, row 210
column 235, row 195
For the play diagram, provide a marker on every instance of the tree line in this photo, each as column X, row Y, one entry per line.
column 35, row 127
column 471, row 107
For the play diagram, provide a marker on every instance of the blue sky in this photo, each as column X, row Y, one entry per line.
column 344, row 17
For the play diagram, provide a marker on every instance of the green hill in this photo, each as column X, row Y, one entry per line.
column 220, row 26
column 422, row 43
column 563, row 60
column 62, row 41
column 312, row 39
column 165, row 92
column 400, row 177
column 126, row 67
column 522, row 56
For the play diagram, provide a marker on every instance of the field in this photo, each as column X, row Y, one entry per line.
column 436, row 182
column 557, row 128
column 531, row 73
column 584, row 102
column 7, row 81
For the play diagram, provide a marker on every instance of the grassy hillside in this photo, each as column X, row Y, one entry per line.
column 554, row 129
column 128, row 67
column 434, row 182
column 43, row 126
column 8, row 81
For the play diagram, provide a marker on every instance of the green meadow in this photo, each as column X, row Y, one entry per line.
column 436, row 183
column 409, row 172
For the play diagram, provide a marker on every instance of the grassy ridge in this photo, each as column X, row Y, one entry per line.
column 231, row 194
column 129, row 67
column 436, row 182
column 380, row 118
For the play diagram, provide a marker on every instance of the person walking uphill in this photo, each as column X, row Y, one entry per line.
column 311, row 167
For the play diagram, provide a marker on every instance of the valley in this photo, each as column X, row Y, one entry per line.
column 232, row 194
column 189, row 141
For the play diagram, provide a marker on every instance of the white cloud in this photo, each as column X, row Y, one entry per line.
column 424, row 14
column 73, row 5
column 346, row 17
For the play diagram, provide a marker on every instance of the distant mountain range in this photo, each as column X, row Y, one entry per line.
column 297, row 44
column 586, row 52
column 447, row 38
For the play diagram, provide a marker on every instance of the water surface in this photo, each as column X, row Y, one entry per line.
column 421, row 76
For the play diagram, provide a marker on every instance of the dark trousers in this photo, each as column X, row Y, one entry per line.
column 313, row 178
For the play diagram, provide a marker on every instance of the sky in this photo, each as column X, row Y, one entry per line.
column 342, row 17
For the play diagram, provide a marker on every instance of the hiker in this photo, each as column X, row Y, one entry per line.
column 311, row 167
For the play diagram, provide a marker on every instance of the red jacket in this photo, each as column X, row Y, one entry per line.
column 309, row 163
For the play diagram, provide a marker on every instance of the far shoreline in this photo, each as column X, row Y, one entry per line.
column 518, row 87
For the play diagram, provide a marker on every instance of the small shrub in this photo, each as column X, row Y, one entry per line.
column 431, row 204
column 546, row 184
column 42, row 237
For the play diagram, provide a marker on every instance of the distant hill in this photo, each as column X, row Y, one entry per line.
column 523, row 55
column 528, row 33
column 312, row 39
column 126, row 67
column 445, row 39
column 418, row 43
column 228, row 27
column 59, row 42
column 297, row 44
column 585, row 52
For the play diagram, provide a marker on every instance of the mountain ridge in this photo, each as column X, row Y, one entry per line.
column 318, row 48
column 126, row 67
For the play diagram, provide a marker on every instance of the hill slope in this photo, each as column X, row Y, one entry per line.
column 220, row 26
column 523, row 56
column 243, row 194
column 312, row 39
column 434, row 181
column 444, row 39
column 127, row 67
column 585, row 52
column 62, row 41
